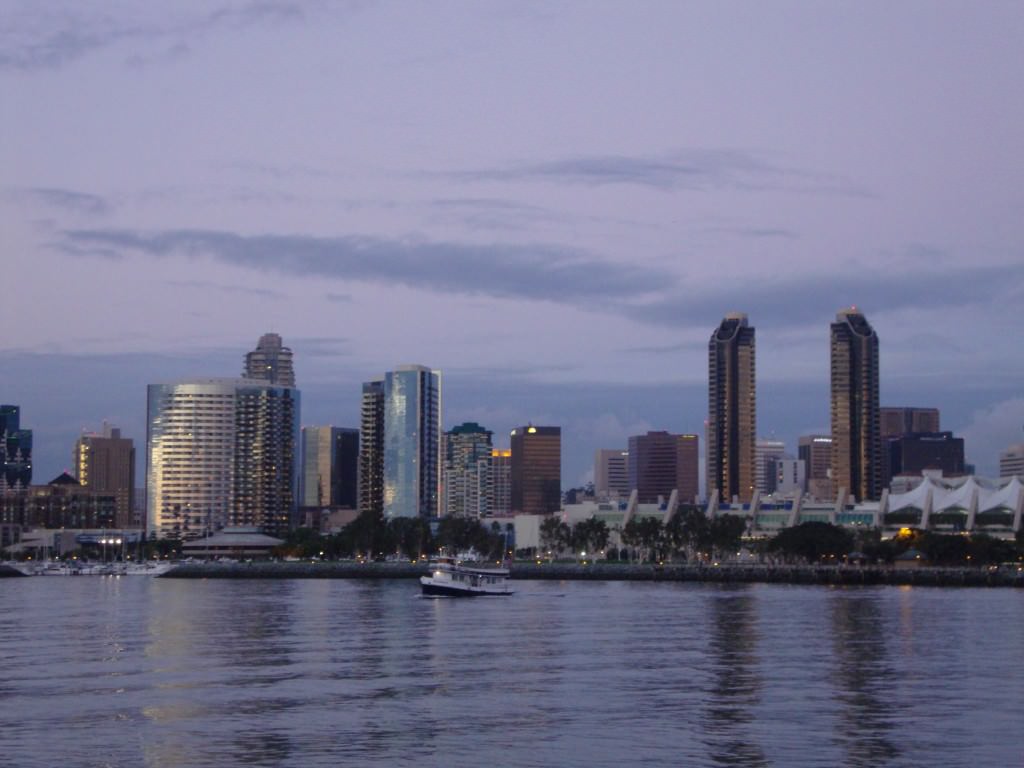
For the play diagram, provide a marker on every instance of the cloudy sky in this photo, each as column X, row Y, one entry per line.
column 553, row 202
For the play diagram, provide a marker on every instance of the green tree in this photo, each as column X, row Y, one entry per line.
column 411, row 536
column 812, row 541
column 590, row 535
column 551, row 535
column 725, row 533
column 629, row 535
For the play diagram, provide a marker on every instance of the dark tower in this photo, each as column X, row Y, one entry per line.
column 371, row 448
column 732, row 410
column 856, row 430
column 15, row 449
column 536, row 470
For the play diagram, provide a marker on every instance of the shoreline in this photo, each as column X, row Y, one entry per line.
column 739, row 574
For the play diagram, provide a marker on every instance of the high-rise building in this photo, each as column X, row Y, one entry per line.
column 732, row 409
column 611, row 473
column 500, row 502
column 790, row 476
column 15, row 450
column 1011, row 462
column 412, row 442
column 467, row 471
column 688, row 468
column 816, row 453
column 330, row 467
column 105, row 463
column 766, row 454
column 912, row 454
column 371, row 448
column 660, row 462
column 896, row 422
column 856, row 436
column 536, row 470
column 271, row 361
column 220, row 452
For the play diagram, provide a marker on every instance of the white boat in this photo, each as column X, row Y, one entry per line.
column 148, row 568
column 450, row 578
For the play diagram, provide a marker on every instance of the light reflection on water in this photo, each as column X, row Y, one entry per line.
column 127, row 672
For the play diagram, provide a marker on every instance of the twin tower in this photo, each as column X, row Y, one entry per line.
column 732, row 408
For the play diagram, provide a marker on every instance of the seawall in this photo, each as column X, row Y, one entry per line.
column 748, row 574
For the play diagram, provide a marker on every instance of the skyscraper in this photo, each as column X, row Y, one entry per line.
column 660, row 462
column 412, row 442
column 330, row 467
column 220, row 452
column 914, row 453
column 500, row 492
column 856, row 435
column 467, row 471
column 732, row 409
column 15, row 449
column 896, row 422
column 766, row 453
column 105, row 463
column 816, row 453
column 371, row 448
column 1011, row 462
column 611, row 473
column 536, row 470
column 270, row 362
column 688, row 468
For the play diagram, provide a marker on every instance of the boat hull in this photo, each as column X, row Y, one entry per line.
column 433, row 589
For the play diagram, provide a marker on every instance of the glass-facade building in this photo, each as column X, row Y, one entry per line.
column 15, row 449
column 330, row 467
column 412, row 442
column 220, row 452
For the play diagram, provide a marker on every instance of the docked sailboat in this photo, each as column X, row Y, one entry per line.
column 450, row 578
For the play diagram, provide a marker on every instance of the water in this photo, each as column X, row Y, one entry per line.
column 157, row 672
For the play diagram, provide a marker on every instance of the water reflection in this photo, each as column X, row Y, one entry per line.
column 736, row 681
column 321, row 674
column 864, row 677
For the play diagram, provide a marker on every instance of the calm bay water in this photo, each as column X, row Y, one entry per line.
column 156, row 672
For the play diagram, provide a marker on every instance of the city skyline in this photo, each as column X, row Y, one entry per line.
column 564, row 197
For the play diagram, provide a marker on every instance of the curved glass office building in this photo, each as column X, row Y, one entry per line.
column 220, row 452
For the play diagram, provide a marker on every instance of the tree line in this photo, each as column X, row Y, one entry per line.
column 373, row 537
column 688, row 535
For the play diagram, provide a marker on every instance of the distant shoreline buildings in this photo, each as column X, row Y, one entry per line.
column 222, row 453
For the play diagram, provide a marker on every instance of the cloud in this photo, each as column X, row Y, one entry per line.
column 67, row 199
column 791, row 300
column 240, row 290
column 992, row 430
column 44, row 38
column 539, row 272
column 320, row 346
column 483, row 213
column 339, row 298
column 688, row 169
column 758, row 233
